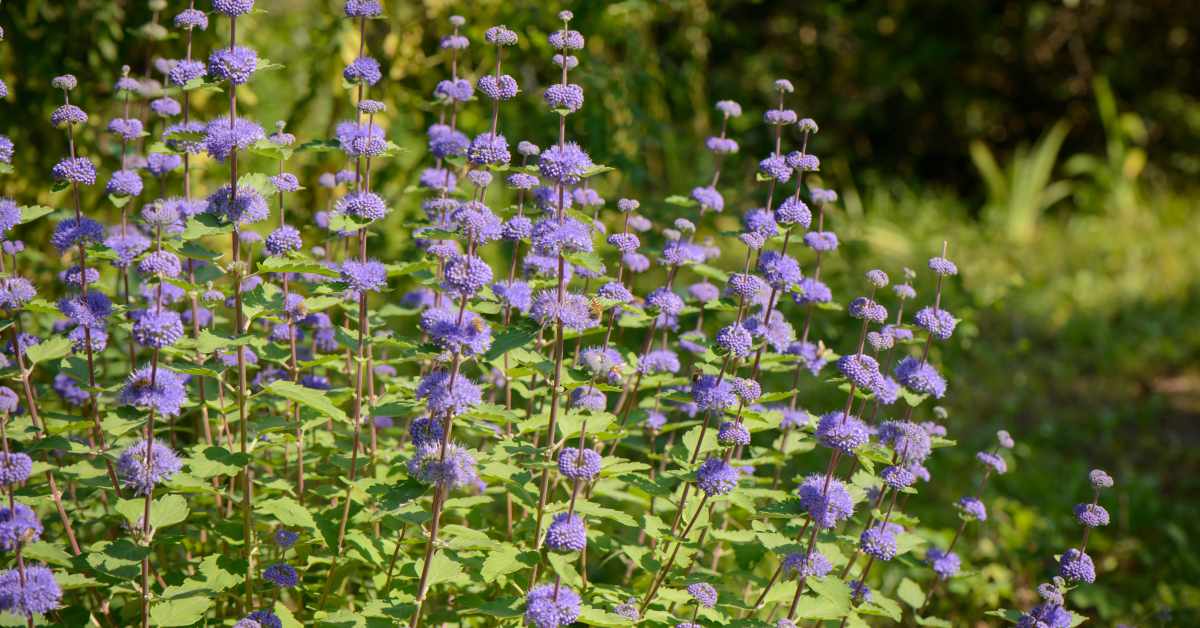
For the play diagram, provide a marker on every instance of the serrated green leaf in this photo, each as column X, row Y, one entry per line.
column 30, row 213
column 287, row 511
column 204, row 225
column 834, row 591
column 310, row 397
column 215, row 460
column 295, row 264
column 882, row 606
column 181, row 606
column 910, row 593
column 680, row 201
column 593, row 509
column 219, row 572
column 501, row 562
column 50, row 349
column 596, row 169
column 513, row 337
column 208, row 342
column 441, row 569
column 167, row 511
column 1007, row 614
column 320, row 146
column 710, row 272
column 590, row 261
column 47, row 552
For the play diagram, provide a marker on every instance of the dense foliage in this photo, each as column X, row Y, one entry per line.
column 517, row 402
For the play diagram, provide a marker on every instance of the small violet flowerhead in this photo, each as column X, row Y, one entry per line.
column 1091, row 515
column 826, row 500
column 456, row 469
column 879, row 541
column 972, row 508
column 733, row 434
column 938, row 322
column 567, row 533
column 805, row 566
column 19, row 525
column 842, row 431
column 363, row 8
column 945, row 564
column 716, row 477
column 233, row 8
column 285, row 538
column 134, row 473
column 572, row 465
column 551, row 606
column 235, row 65
column 34, row 592
column 942, row 266
column 282, row 575
column 704, row 594
column 1076, row 566
column 1100, row 479
column 157, row 328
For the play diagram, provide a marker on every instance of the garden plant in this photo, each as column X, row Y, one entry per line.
column 509, row 395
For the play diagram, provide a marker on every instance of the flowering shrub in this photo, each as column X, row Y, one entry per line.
column 227, row 413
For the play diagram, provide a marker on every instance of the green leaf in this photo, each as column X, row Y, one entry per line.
column 596, row 169
column 294, row 264
column 886, row 607
column 258, row 182
column 219, row 572
column 271, row 150
column 593, row 509
column 310, row 397
column 709, row 272
column 442, row 569
column 834, row 591
column 204, row 225
column 680, row 201
column 215, row 460
column 289, row 512
column 49, row 349
column 596, row 617
column 501, row 562
column 910, row 593
column 320, row 146
column 692, row 436
column 564, row 565
column 167, row 511
column 45, row 552
column 590, row 261
column 71, row 581
column 195, row 251
column 181, row 606
column 286, row 617
column 209, row 342
column 1007, row 614
column 514, row 336
column 346, row 222
column 30, row 213
column 937, row 622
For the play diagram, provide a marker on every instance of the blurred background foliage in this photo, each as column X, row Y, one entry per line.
column 1053, row 144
